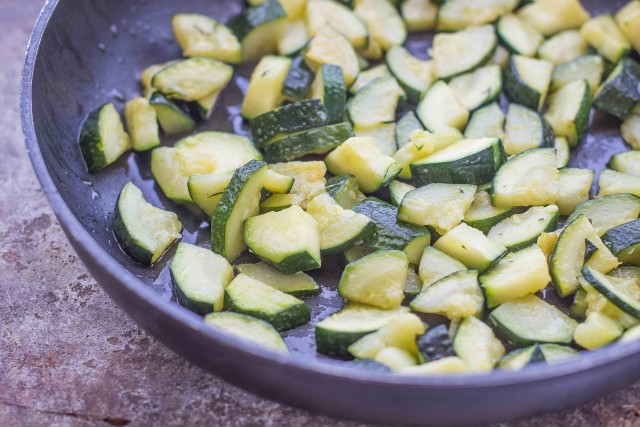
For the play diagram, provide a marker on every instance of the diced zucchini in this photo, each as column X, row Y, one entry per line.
column 337, row 332
column 552, row 16
column 459, row 14
column 521, row 358
column 569, row 110
column 597, row 302
column 563, row 152
column 563, row 47
column 397, row 191
column 147, row 75
column 463, row 51
column 277, row 202
column 298, row 82
column 300, row 144
column 205, row 106
column 529, row 320
column 328, row 12
column 414, row 75
column 419, row 15
column 631, row 335
column 477, row 345
column 516, row 275
column 519, row 36
column 589, row 68
column 630, row 129
column 264, row 93
column 420, row 145
column 626, row 162
column 608, row 211
column 206, row 190
column 294, row 38
column 526, row 81
column 500, row 57
column 624, row 295
column 344, row 189
column 103, row 138
column 383, row 21
column 579, row 306
column 376, row 103
column 477, row 88
column 444, row 366
column 522, row 230
column 486, row 122
column 297, row 284
column 554, row 353
column 621, row 91
column 435, row 344
column 612, row 182
column 575, row 185
column 367, row 76
column 440, row 110
column 526, row 129
column 483, row 215
column 400, row 332
column 258, row 29
column 436, row 265
column 624, row 242
column 308, row 177
column 277, row 183
column 470, row 246
column 603, row 34
column 455, row 296
column 530, row 178
column 329, row 87
column 383, row 134
column 142, row 123
column 396, row 358
column 628, row 20
column 172, row 118
column 199, row 35
column 248, row 328
column 412, row 285
column 597, row 331
column 193, row 78
column 330, row 47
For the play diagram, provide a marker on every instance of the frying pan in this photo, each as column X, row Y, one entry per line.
column 85, row 53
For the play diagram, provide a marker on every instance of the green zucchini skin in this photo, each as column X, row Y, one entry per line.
column 298, row 81
column 335, row 92
column 307, row 142
column 336, row 344
column 253, row 17
column 622, row 301
column 127, row 241
column 624, row 242
column 90, row 141
column 344, row 189
column 172, row 118
column 292, row 317
column 621, row 91
column 290, row 118
column 517, row 90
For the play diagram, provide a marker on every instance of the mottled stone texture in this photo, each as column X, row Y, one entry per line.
column 69, row 356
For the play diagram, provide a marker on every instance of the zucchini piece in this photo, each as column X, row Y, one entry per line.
column 445, row 366
column 421, row 144
column 383, row 21
column 206, row 105
column 193, row 78
column 253, row 298
column 455, row 296
column 589, row 68
column 258, row 29
column 460, row 14
column 500, row 57
column 612, row 182
column 397, row 191
column 392, row 234
column 298, row 82
column 308, row 177
column 405, row 127
column 277, row 202
column 569, row 110
column 383, row 134
column 413, row 284
column 624, row 242
column 435, row 344
column 603, row 34
column 522, row 230
column 631, row 335
column 519, row 36
column 287, row 119
column 477, row 345
column 526, row 129
column 172, row 118
column 608, row 211
column 329, row 46
column 340, row 229
column 400, row 332
column 630, row 129
column 436, row 265
column 277, row 183
column 337, row 332
column 484, row 216
column 249, row 329
column 563, row 152
column 628, row 20
column 477, row 88
column 563, row 47
column 330, row 88
column 310, row 141
column 414, row 75
column 552, row 16
column 264, row 92
column 395, row 358
column 528, row 320
column 624, row 295
column 579, row 306
column 471, row 247
column 377, row 279
column 143, row 230
column 294, row 38
column 554, row 353
column 486, row 122
column 297, row 284
column 206, row 190
column 376, row 103
column 269, row 237
column 521, row 358
column 103, row 138
column 344, row 189
column 147, row 75
column 463, row 51
column 516, row 275
column 142, row 123
column 200, row 278
column 526, row 81
column 621, row 91
column 626, row 162
column 440, row 109
column 530, row 178
column 575, row 185
column 597, row 331
column 362, row 158
column 199, row 35
column 356, row 253
column 441, row 206
column 367, row 76
column 293, row 8
column 627, row 272
column 328, row 12
column 419, row 15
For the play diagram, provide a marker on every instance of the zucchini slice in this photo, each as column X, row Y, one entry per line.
column 277, row 202
column 362, row 158
column 552, row 16
column 522, row 230
column 376, row 103
column 440, row 109
column 530, row 178
column 597, row 331
column 419, row 15
column 516, row 275
column 298, row 82
column 624, row 242
column 172, row 118
column 589, row 68
column 205, row 106
column 193, row 78
column 258, row 29
column 253, row 298
column 413, row 284
column 620, row 93
column 344, row 189
column 519, row 36
column 569, row 110
column 300, row 144
column 463, row 51
column 337, row 332
column 554, row 353
column 624, row 295
column 436, row 265
column 608, row 211
column 144, row 231
column 528, row 320
column 460, row 14
column 297, row 284
column 486, row 122
column 383, row 134
column 471, row 247
column 477, row 345
column 626, row 162
column 330, row 47
column 444, row 366
column 248, row 328
column 477, row 88
column 521, row 358
column 405, row 127
column 526, row 81
column 563, row 47
column 631, row 335
column 574, row 188
column 206, row 190
column 628, row 20
column 328, row 12
column 367, row 76
column 483, row 215
column 294, row 38
column 147, row 75
column 579, row 306
column 435, row 344
column 308, row 177
column 630, row 128
column 563, row 152
column 142, row 124
column 397, row 191
column 277, row 183
column 396, row 358
column 526, row 129
column 200, row 278
column 383, row 21
column 455, row 296
column 199, row 35
column 103, row 138
column 269, row 237
column 264, row 92
column 400, row 332
column 612, row 182
column 421, row 144
column 414, row 75
column 330, row 88
column 603, row 34
column 340, row 229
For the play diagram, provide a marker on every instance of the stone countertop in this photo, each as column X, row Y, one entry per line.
column 70, row 356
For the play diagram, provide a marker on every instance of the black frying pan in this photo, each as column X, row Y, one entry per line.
column 85, row 53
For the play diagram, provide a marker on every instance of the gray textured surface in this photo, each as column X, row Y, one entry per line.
column 69, row 356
